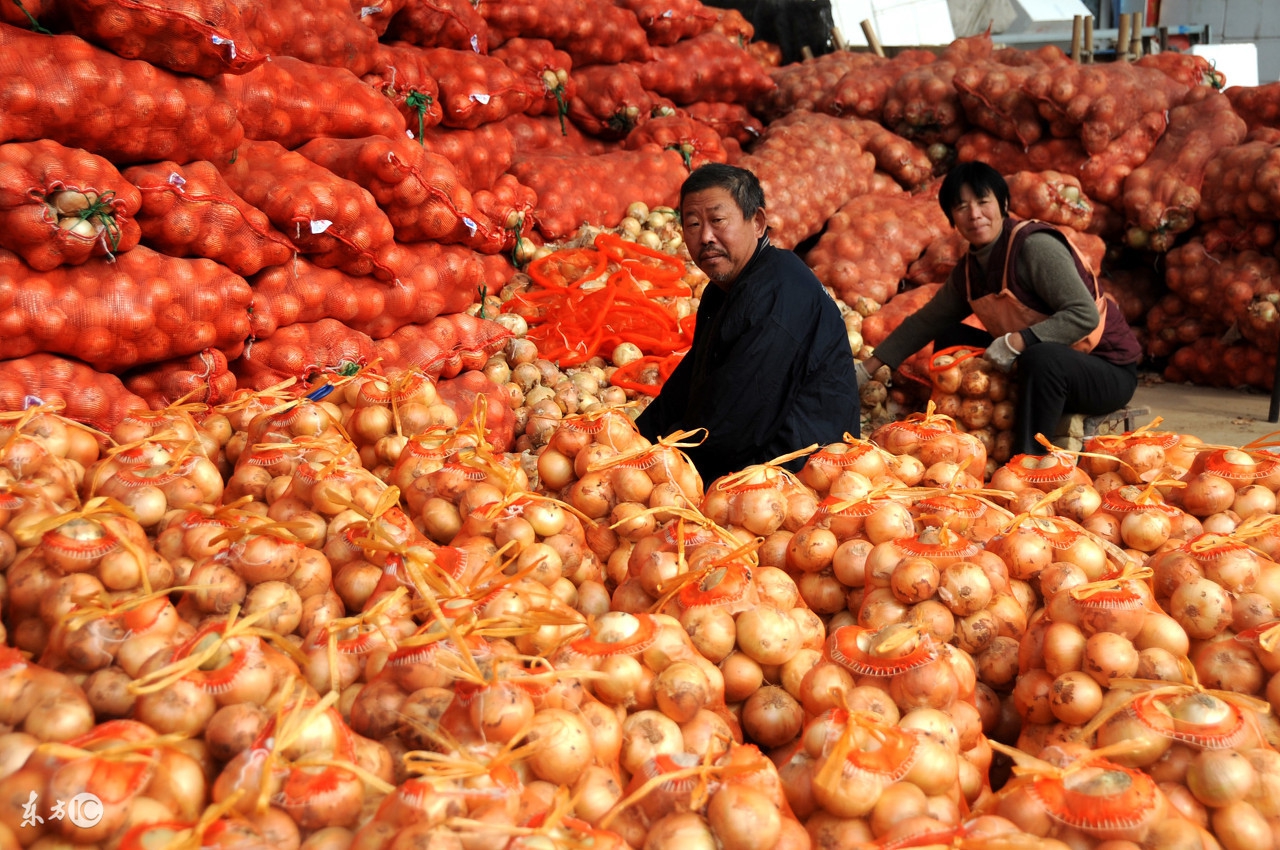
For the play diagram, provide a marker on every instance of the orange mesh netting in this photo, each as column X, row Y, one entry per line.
column 994, row 98
column 592, row 33
column 810, row 85
column 509, row 206
column 60, row 205
column 291, row 101
column 476, row 89
column 398, row 72
column 1186, row 68
column 730, row 120
column 726, row 72
column 1242, row 182
column 586, row 301
column 1066, row 155
column 696, row 142
column 445, row 346
column 598, row 189
column 96, row 399
column 203, row 377
column 323, row 32
column 548, row 134
column 864, row 91
column 545, row 68
column 924, row 104
column 456, row 24
column 460, row 394
column 198, row 37
column 335, row 222
column 417, row 190
column 190, row 211
column 1259, row 106
column 301, row 351
column 1049, row 196
column 896, row 156
column 143, row 308
column 377, row 17
column 479, row 156
column 877, row 327
column 61, row 87
column 669, row 21
column 610, row 100
column 42, row 10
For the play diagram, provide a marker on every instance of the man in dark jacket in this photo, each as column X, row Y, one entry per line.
column 770, row 370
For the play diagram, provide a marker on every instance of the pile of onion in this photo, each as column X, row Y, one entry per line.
column 978, row 396
column 942, row 453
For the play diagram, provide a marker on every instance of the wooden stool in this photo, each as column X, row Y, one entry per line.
column 1073, row 430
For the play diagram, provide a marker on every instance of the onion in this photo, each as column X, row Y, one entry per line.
column 681, row 690
column 1201, row 607
column 1109, row 656
column 1075, row 698
column 743, row 818
column 964, row 588
column 767, row 635
column 647, row 735
column 772, row 717
column 567, row 752
column 1221, row 777
column 1239, row 826
column 1063, row 648
column 742, row 676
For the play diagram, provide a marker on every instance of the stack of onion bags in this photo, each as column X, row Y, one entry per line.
column 945, row 455
column 978, row 396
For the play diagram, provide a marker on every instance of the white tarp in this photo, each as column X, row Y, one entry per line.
column 970, row 17
column 897, row 22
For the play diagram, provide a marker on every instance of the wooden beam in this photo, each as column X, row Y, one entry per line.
column 869, row 31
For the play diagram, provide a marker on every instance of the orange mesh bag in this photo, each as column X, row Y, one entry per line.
column 925, row 105
column 730, row 120
column 864, row 91
column 30, row 10
column 1238, row 288
column 1214, row 363
column 810, row 85
column 62, row 206
column 455, row 24
column 809, row 168
column 732, row 25
column 572, row 190
column 1065, row 155
column 377, row 17
column 63, row 88
column 198, row 37
column 1242, row 182
column 142, row 308
column 444, row 346
column 509, row 205
column 877, row 327
column 871, row 241
column 610, row 100
column 291, row 101
column 1103, row 174
column 546, row 134
column 1100, row 102
column 537, row 61
column 1049, row 196
column 938, row 260
column 479, row 156
column 726, row 72
column 1186, row 68
column 204, row 377
column 993, row 97
column 1161, row 196
column 96, row 399
column 1225, row 235
column 1259, row 106
column 417, row 190
column 693, row 140
column 669, row 21
column 498, row 272
column 895, row 156
column 322, row 32
column 461, row 395
column 1136, row 290
column 334, row 221
column 398, row 72
column 303, row 351
column 592, row 33
column 476, row 89
column 190, row 211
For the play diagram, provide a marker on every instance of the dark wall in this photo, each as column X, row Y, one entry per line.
column 790, row 24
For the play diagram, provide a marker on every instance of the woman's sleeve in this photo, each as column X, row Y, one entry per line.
column 946, row 308
column 1046, row 267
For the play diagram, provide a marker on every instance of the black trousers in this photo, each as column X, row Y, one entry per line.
column 1053, row 379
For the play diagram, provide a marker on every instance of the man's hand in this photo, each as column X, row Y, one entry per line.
column 1001, row 353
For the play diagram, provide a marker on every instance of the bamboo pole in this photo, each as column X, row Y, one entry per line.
column 872, row 39
column 1122, row 43
column 1077, row 32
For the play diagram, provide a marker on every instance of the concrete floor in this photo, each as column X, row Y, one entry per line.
column 1222, row 417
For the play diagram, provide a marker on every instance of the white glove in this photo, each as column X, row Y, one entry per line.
column 1001, row 353
column 861, row 371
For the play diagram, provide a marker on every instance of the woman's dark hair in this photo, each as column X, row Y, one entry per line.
column 981, row 178
column 738, row 182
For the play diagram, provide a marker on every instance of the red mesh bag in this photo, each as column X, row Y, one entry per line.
column 334, row 221
column 1066, row 155
column 546, row 134
column 322, row 32
column 545, row 69
column 610, row 100
column 62, row 206
column 1259, row 106
column 1161, row 196
column 1213, row 363
column 198, row 37
column 509, row 205
column 1238, row 288
column 63, row 88
column 417, row 190
column 301, row 351
column 925, row 105
column 190, row 211
column 694, row 141
column 476, row 89
column 732, row 25
column 1049, row 196
column 399, row 72
column 455, row 24
column 142, row 308
column 377, row 17
column 937, row 261
column 809, row 167
column 1186, row 68
column 895, row 156
column 431, row 282
column 1169, row 325
column 592, row 33
column 1226, row 235
column 877, row 327
column 871, row 241
column 1242, row 182
column 730, row 120
column 1090, row 246
column 40, row 10
column 1100, row 102
column 1103, row 174
column 864, row 91
column 498, row 271
column 96, row 399
column 204, row 377
column 573, row 190
column 810, row 85
column 725, row 71
column 669, row 21
column 461, row 395
column 445, row 346
column 1136, row 291
column 291, row 101
column 480, row 156
column 993, row 97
